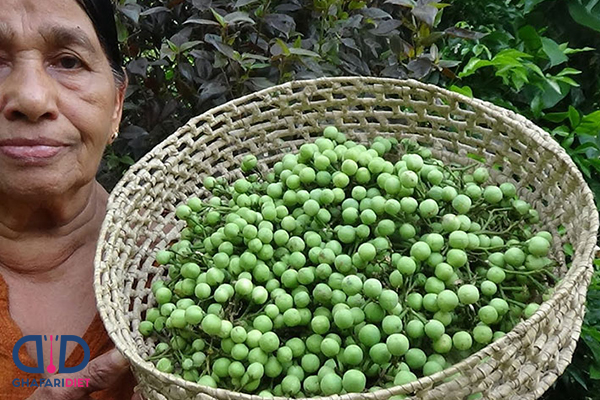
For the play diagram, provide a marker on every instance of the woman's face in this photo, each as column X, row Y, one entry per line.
column 59, row 103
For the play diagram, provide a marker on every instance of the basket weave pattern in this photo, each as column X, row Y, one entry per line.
column 275, row 121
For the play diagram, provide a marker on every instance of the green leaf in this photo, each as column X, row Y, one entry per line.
column 473, row 65
column 556, row 117
column 553, row 52
column 284, row 47
column 586, row 15
column 594, row 163
column 550, row 95
column 581, row 149
column 530, row 36
column 595, row 371
column 575, row 51
column 568, row 249
column 464, row 90
column 566, row 144
column 592, row 315
column 574, row 117
column 582, row 165
column 356, row 5
column 476, row 157
column 595, row 186
column 127, row 160
column 537, row 105
column 535, row 69
column 561, row 131
column 591, row 337
column 569, row 71
column 122, row 32
column 529, row 5
column 512, row 53
column 567, row 80
column 576, row 374
column 218, row 17
column 260, row 65
column 519, row 78
column 113, row 162
column 303, row 52
column 590, row 124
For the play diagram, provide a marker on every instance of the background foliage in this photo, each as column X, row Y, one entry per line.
column 540, row 58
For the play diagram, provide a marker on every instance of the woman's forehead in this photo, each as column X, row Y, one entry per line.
column 51, row 19
column 26, row 25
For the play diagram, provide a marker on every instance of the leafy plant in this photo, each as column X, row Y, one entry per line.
column 536, row 57
column 187, row 56
column 586, row 13
column 581, row 379
column 532, row 68
column 580, row 136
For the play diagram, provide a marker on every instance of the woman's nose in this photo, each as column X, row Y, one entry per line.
column 28, row 93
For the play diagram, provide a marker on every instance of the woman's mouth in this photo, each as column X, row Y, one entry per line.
column 30, row 150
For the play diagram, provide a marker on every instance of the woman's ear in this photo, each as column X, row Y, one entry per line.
column 118, row 111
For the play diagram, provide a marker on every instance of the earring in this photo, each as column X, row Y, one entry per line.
column 114, row 136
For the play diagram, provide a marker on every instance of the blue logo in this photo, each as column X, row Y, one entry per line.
column 64, row 339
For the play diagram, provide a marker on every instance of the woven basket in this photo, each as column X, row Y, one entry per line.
column 270, row 123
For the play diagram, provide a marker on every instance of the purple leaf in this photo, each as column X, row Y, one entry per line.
column 259, row 83
column 241, row 3
column 281, row 22
column 132, row 11
column 238, row 16
column 182, row 36
column 291, row 6
column 399, row 45
column 138, row 66
column 385, row 27
column 405, row 3
column 212, row 89
column 375, row 13
column 351, row 44
column 425, row 13
column 201, row 21
column 202, row 5
column 464, row 33
column 420, row 67
column 186, row 70
column 155, row 10
column 215, row 40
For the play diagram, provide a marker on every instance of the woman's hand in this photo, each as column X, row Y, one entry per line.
column 100, row 373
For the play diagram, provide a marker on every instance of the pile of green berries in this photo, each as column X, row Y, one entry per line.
column 346, row 268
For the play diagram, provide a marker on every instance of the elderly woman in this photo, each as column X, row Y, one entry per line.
column 61, row 97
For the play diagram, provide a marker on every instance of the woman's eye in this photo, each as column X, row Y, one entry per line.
column 69, row 62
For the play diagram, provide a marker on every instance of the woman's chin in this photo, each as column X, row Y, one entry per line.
column 39, row 184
